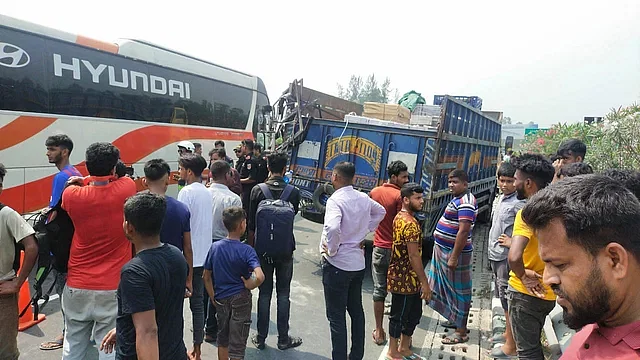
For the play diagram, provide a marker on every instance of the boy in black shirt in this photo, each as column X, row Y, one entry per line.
column 151, row 291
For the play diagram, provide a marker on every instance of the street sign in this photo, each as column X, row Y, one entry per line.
column 533, row 131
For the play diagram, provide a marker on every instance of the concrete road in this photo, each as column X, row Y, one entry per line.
column 308, row 318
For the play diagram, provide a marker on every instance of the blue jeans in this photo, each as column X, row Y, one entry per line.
column 196, row 303
column 343, row 293
column 283, row 269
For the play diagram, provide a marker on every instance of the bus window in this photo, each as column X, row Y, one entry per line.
column 179, row 116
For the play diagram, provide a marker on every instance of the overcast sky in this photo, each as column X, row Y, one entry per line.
column 546, row 61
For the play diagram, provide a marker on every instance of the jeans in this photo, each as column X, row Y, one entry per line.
column 343, row 293
column 210, row 320
column 61, row 281
column 283, row 269
column 87, row 312
column 527, row 314
column 196, row 303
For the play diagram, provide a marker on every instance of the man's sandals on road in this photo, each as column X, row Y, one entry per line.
column 381, row 337
column 454, row 339
column 52, row 345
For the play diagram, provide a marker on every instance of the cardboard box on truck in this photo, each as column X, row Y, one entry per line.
column 388, row 112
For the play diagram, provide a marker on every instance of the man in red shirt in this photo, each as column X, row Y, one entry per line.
column 387, row 195
column 588, row 228
column 99, row 249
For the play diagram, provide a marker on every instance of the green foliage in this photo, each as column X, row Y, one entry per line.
column 615, row 143
column 361, row 91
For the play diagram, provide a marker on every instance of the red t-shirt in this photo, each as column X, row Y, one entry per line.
column 99, row 248
column 387, row 195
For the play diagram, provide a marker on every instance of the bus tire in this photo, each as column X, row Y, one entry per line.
column 322, row 189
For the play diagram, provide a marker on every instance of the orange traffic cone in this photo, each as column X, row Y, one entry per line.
column 27, row 320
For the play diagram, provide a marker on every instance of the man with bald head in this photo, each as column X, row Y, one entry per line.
column 588, row 230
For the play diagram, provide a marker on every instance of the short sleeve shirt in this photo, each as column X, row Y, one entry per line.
column 59, row 183
column 13, row 228
column 530, row 257
column 460, row 208
column 99, row 248
column 401, row 278
column 153, row 280
column 387, row 195
column 176, row 222
column 249, row 170
column 199, row 202
column 228, row 260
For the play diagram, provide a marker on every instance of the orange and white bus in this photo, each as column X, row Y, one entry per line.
column 141, row 97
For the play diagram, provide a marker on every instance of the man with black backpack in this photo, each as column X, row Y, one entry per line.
column 273, row 206
column 14, row 230
column 59, row 228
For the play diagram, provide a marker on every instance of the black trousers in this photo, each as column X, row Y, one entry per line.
column 405, row 315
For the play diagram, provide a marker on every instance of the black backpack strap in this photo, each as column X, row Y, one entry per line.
column 266, row 191
column 286, row 192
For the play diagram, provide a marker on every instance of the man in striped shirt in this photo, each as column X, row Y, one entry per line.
column 450, row 272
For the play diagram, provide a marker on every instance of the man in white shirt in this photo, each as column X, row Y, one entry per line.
column 200, row 203
column 350, row 215
column 222, row 198
column 13, row 230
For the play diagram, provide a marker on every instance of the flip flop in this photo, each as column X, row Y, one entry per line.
column 382, row 340
column 413, row 356
column 497, row 353
column 52, row 345
column 449, row 325
column 455, row 339
column 497, row 338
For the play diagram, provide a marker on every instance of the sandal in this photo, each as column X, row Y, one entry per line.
column 381, row 340
column 449, row 325
column 497, row 353
column 52, row 345
column 497, row 338
column 413, row 356
column 455, row 339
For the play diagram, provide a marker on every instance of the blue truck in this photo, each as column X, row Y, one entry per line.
column 464, row 139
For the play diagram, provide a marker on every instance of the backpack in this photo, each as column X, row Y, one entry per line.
column 274, row 224
column 59, row 233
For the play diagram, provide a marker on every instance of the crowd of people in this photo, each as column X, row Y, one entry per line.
column 559, row 233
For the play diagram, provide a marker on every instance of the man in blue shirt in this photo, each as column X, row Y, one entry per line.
column 176, row 227
column 231, row 271
column 59, row 149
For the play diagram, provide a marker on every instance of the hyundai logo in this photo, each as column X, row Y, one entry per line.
column 13, row 56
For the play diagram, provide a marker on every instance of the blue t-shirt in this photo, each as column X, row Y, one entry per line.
column 176, row 223
column 228, row 260
column 59, row 181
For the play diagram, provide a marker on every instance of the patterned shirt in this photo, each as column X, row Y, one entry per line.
column 463, row 207
column 401, row 279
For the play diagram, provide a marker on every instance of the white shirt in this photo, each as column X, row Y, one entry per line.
column 222, row 198
column 199, row 201
column 13, row 229
column 350, row 215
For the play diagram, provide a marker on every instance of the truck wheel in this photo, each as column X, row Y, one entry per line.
column 320, row 196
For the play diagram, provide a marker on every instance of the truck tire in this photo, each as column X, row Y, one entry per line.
column 322, row 189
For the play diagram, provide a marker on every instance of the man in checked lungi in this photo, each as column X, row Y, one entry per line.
column 450, row 272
